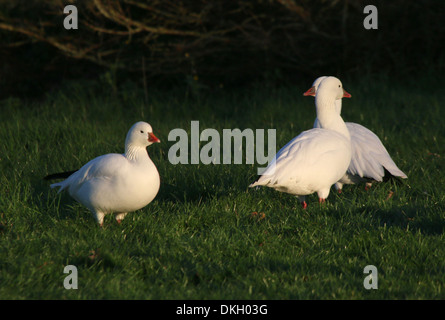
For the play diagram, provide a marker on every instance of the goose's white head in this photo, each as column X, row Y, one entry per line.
column 332, row 86
column 141, row 135
column 313, row 90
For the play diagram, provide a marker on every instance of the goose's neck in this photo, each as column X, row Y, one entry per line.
column 328, row 115
column 136, row 153
column 338, row 106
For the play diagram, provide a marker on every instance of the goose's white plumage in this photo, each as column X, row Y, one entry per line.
column 369, row 156
column 117, row 183
column 317, row 158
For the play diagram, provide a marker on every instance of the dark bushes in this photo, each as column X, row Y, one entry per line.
column 218, row 40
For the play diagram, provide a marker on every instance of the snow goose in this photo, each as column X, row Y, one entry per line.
column 317, row 158
column 117, row 183
column 370, row 159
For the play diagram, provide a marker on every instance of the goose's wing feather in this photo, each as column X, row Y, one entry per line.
column 102, row 167
column 301, row 156
column 369, row 155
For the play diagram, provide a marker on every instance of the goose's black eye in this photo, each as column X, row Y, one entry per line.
column 339, row 85
column 142, row 131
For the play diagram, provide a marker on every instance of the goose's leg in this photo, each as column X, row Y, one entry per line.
column 339, row 187
column 99, row 216
column 322, row 195
column 303, row 201
column 368, row 185
column 120, row 216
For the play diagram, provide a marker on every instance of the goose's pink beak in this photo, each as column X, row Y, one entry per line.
column 346, row 94
column 152, row 138
column 310, row 92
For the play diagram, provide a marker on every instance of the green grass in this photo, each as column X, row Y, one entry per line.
column 198, row 239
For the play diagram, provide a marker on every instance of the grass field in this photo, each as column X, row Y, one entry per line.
column 199, row 238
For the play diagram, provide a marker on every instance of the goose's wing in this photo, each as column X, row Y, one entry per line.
column 300, row 156
column 369, row 155
column 103, row 167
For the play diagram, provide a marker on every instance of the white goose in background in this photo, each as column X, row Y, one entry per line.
column 117, row 183
column 370, row 158
column 317, row 158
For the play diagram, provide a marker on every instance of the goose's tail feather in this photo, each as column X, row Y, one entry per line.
column 59, row 175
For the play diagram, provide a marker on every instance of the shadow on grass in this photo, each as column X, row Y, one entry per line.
column 201, row 185
column 182, row 193
column 417, row 218
column 197, row 188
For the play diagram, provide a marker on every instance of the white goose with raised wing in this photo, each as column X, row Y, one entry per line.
column 317, row 158
column 370, row 159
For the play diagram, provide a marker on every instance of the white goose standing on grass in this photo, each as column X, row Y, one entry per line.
column 370, row 159
column 317, row 158
column 117, row 183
